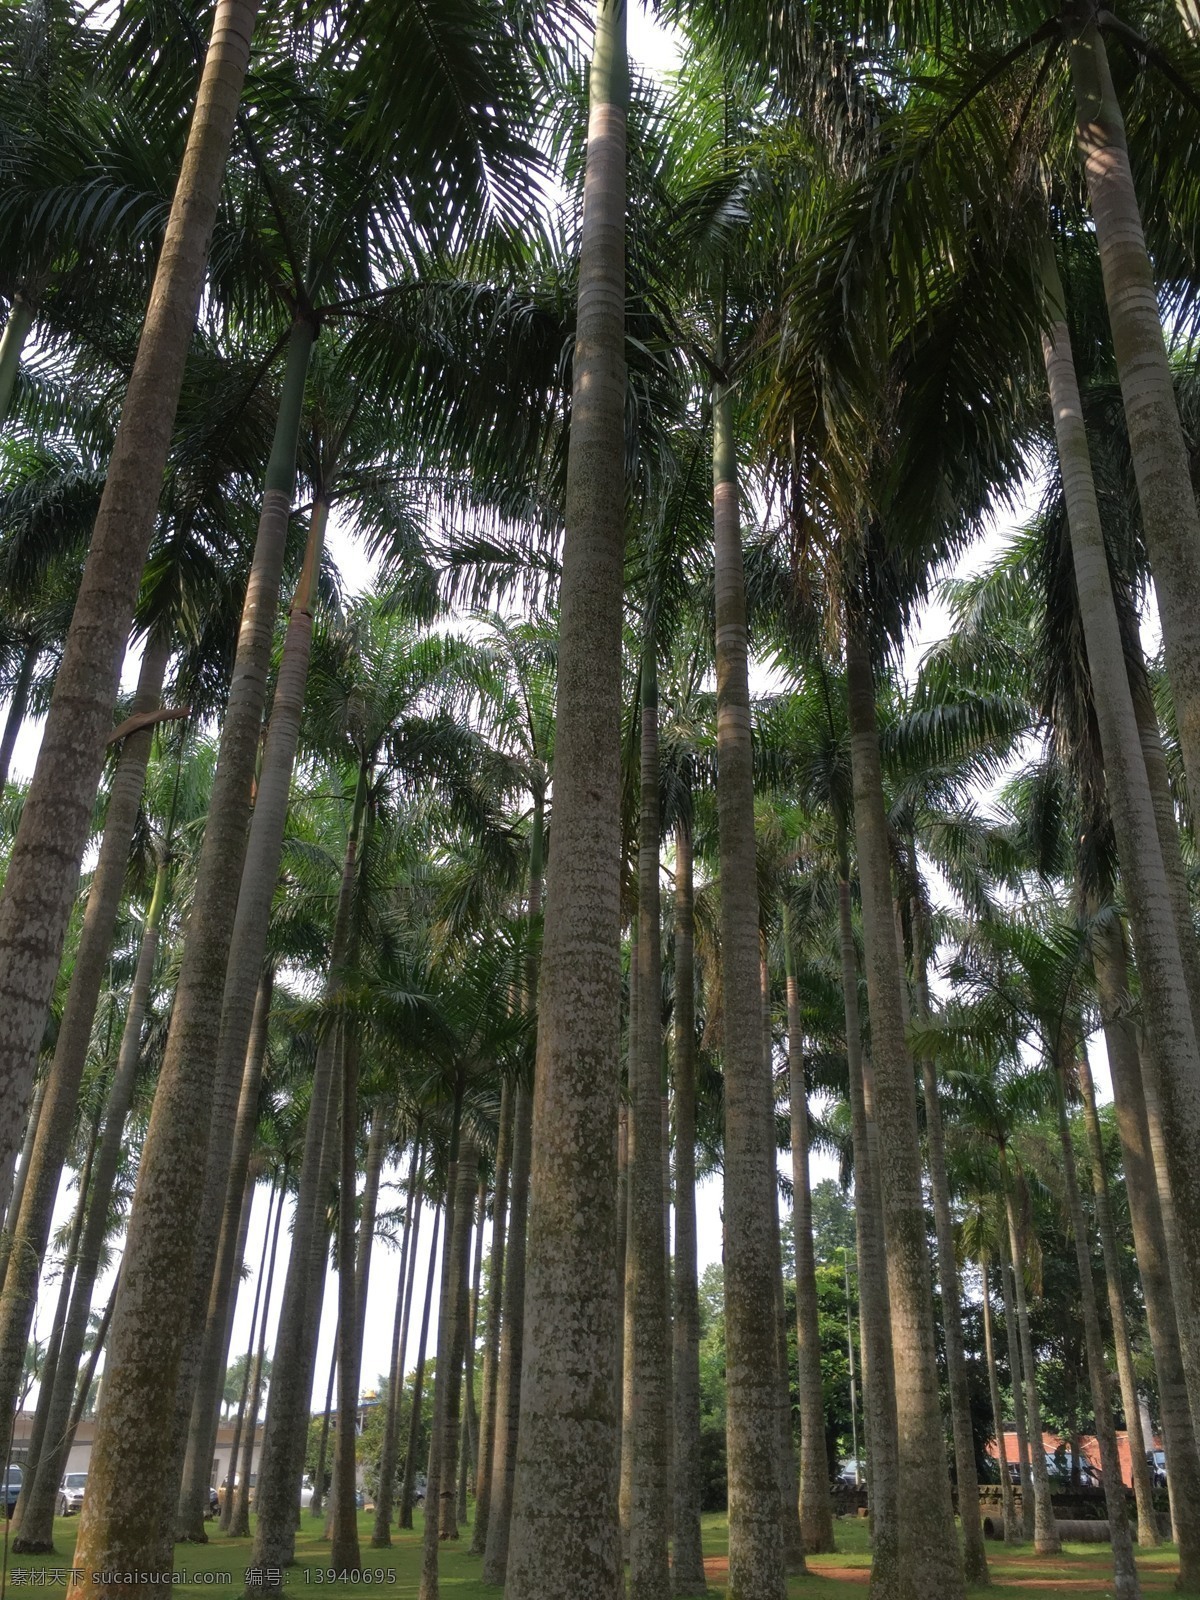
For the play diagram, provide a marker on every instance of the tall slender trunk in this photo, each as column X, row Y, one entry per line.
column 1021, row 1421
column 317, row 1504
column 687, row 1556
column 1045, row 1533
column 491, row 1336
column 625, row 1264
column 930, row 1560
column 290, row 1389
column 37, row 1524
column 468, row 1169
column 344, row 1549
column 17, row 1193
column 648, row 1568
column 1125, row 1578
column 564, row 1502
column 31, row 1232
column 787, row 1467
column 221, row 1299
column 756, row 1555
column 243, row 1407
column 414, row 1420
column 43, row 869
column 1148, row 1536
column 879, row 1398
column 439, row 1492
column 468, row 1453
column 1160, row 458
column 1170, row 1031
column 1011, row 1531
column 239, row 1522
column 50, row 1361
column 17, row 327
column 974, row 1555
column 286, row 1426
column 87, row 1375
column 18, row 704
column 512, row 1338
column 816, row 1507
column 381, row 1536
column 1150, row 1243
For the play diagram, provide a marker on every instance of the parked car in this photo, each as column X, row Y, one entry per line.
column 12, row 1490
column 851, row 1473
column 70, row 1493
column 1157, row 1460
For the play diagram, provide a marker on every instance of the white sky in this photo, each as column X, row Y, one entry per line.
column 657, row 51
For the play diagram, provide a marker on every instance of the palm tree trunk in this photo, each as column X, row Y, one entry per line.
column 1125, row 1578
column 214, row 1354
column 879, row 1399
column 468, row 1454
column 787, row 1468
column 1147, row 1520
column 1011, row 1534
column 344, row 1549
column 789, row 1472
column 1174, row 1061
column 38, row 1436
column 1156, row 442
column 31, row 1232
column 381, row 1536
column 243, row 1407
column 88, row 1374
column 439, row 1492
column 975, row 1557
column 239, row 1521
column 1149, row 1240
column 1045, row 1533
column 648, row 1567
column 414, row 1420
column 37, row 1525
column 756, row 1555
column 1012, row 1331
column 43, row 869
column 687, row 1557
column 17, row 1193
column 468, row 1168
column 1164, row 812
column 18, row 704
column 17, row 328
column 930, row 1560
column 491, row 1337
column 188, row 1143
column 565, row 1500
column 816, row 1507
column 512, row 1340
column 280, row 1460
column 625, row 1264
column 317, row 1504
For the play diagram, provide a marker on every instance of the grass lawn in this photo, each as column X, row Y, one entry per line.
column 1082, row 1571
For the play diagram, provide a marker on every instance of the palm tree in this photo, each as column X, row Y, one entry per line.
column 564, row 1534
